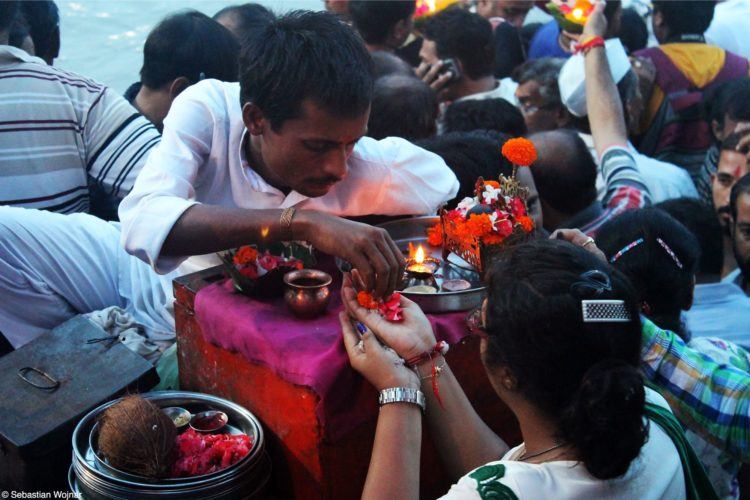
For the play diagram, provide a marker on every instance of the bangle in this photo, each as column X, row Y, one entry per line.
column 433, row 373
column 286, row 220
column 588, row 43
column 402, row 395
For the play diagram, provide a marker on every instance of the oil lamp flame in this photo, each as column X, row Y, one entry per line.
column 264, row 231
column 578, row 13
column 419, row 255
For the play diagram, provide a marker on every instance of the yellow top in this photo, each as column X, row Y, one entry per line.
column 699, row 62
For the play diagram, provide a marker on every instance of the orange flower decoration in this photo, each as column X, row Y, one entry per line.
column 493, row 239
column 245, row 255
column 478, row 225
column 527, row 223
column 435, row 235
column 366, row 300
column 520, row 151
column 494, row 184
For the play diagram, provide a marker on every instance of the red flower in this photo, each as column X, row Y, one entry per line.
column 199, row 454
column 391, row 308
column 245, row 255
column 519, row 151
column 250, row 272
column 504, row 227
column 517, row 207
column 366, row 300
column 270, row 262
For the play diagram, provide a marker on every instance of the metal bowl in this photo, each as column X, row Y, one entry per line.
column 96, row 479
column 414, row 230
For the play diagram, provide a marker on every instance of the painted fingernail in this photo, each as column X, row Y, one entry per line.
column 361, row 328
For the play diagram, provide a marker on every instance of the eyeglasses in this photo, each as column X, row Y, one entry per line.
column 475, row 323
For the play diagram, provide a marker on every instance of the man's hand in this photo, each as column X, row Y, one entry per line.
column 369, row 249
column 430, row 74
column 596, row 24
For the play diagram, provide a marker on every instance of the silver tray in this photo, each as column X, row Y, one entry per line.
column 414, row 230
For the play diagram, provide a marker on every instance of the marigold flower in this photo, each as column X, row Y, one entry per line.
column 493, row 239
column 366, row 300
column 435, row 235
column 520, row 151
column 494, row 184
column 479, row 225
column 245, row 255
column 527, row 223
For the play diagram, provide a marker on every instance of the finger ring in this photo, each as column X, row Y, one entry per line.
column 361, row 346
column 588, row 241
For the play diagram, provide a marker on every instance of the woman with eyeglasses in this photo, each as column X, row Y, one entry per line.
column 561, row 341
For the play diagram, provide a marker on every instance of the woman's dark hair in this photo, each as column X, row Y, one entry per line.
column 470, row 155
column 664, row 283
column 43, row 17
column 485, row 114
column 191, row 45
column 583, row 376
column 306, row 55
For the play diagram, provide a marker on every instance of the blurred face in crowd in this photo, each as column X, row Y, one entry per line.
column 539, row 114
column 732, row 166
column 513, row 11
column 307, row 154
column 340, row 7
column 526, row 179
column 741, row 235
column 428, row 54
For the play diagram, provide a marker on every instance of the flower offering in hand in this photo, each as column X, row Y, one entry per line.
column 389, row 308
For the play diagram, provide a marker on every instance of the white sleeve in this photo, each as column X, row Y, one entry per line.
column 415, row 182
column 487, row 481
column 165, row 187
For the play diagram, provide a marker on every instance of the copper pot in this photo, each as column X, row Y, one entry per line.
column 308, row 292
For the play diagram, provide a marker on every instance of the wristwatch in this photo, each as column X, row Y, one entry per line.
column 402, row 395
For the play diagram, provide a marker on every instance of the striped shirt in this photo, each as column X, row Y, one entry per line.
column 61, row 133
column 624, row 190
column 710, row 397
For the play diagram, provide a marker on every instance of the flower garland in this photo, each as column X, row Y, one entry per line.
column 250, row 263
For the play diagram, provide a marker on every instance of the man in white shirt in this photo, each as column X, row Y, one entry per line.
column 278, row 157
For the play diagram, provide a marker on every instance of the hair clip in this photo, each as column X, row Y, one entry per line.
column 625, row 250
column 669, row 252
column 605, row 311
column 595, row 281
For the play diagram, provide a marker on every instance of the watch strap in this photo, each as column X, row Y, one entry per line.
column 402, row 395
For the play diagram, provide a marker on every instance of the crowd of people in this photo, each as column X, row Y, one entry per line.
column 259, row 126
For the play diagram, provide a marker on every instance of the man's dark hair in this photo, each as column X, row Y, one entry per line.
column 686, row 17
column 742, row 186
column 633, row 31
column 565, row 172
column 192, row 45
column 701, row 221
column 737, row 101
column 250, row 17
column 8, row 12
column 374, row 19
column 486, row 114
column 470, row 155
column 43, row 17
column 731, row 142
column 465, row 36
column 663, row 281
column 544, row 71
column 583, row 376
column 306, row 55
column 385, row 63
column 402, row 106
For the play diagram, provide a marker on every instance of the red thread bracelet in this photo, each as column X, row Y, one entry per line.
column 439, row 348
column 588, row 44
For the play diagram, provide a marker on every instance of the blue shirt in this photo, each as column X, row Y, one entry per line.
column 720, row 310
column 545, row 44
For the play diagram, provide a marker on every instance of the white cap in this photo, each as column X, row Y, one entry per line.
column 572, row 79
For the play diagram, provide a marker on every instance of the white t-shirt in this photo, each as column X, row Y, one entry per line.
column 655, row 474
column 506, row 89
column 201, row 160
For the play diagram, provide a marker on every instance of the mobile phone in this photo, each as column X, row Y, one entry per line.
column 451, row 65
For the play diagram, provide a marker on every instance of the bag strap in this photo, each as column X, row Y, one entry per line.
column 697, row 484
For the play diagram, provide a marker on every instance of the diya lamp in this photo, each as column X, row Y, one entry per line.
column 419, row 275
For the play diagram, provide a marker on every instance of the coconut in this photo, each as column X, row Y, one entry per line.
column 136, row 436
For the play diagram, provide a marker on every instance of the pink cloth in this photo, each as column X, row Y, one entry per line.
column 304, row 352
